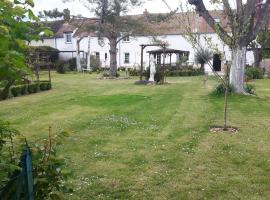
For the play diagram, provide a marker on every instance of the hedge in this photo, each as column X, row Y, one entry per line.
column 185, row 71
column 20, row 90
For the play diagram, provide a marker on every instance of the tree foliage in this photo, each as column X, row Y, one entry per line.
column 16, row 28
column 55, row 14
column 203, row 56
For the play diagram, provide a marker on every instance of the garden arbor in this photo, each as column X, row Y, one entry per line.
column 168, row 52
column 164, row 52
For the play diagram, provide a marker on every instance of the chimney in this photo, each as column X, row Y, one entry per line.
column 145, row 13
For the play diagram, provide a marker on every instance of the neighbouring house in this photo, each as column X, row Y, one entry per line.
column 129, row 50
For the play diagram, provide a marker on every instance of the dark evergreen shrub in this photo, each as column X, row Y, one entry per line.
column 61, row 67
column 254, row 73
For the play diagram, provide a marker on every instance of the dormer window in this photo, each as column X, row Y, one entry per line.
column 217, row 20
column 126, row 39
column 68, row 38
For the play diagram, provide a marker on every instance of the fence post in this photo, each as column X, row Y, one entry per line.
column 27, row 168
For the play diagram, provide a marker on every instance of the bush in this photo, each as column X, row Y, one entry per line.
column 33, row 88
column 45, row 85
column 134, row 72
column 19, row 90
column 16, row 91
column 49, row 170
column 105, row 74
column 250, row 88
column 254, row 73
column 95, row 64
column 190, row 71
column 72, row 64
column 24, row 90
column 158, row 76
column 121, row 69
column 61, row 67
column 220, row 90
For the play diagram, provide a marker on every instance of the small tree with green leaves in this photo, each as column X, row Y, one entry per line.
column 203, row 56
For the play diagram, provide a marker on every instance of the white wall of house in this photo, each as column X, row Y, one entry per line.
column 133, row 48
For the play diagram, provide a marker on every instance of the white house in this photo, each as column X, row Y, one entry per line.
column 129, row 49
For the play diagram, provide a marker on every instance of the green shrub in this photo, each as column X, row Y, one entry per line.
column 121, row 69
column 8, row 158
column 45, row 85
column 254, row 73
column 95, row 64
column 49, row 170
column 105, row 74
column 220, row 90
column 61, row 67
column 158, row 76
column 24, row 89
column 134, row 72
column 16, row 91
column 249, row 88
column 72, row 64
column 33, row 88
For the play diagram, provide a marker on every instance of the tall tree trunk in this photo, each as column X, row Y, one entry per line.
column 89, row 54
column 78, row 59
column 237, row 72
column 113, row 57
column 257, row 57
column 4, row 94
column 202, row 67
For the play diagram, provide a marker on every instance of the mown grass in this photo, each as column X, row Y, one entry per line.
column 152, row 142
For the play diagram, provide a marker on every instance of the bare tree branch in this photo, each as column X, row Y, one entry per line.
column 200, row 8
column 262, row 19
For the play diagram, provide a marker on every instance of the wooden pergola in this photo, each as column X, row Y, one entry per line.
column 168, row 52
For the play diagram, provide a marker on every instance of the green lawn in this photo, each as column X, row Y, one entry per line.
column 152, row 142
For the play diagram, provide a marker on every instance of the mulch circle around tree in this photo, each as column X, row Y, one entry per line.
column 220, row 129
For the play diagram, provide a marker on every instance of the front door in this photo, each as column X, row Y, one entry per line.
column 217, row 62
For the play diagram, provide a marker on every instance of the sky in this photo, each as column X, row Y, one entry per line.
column 76, row 7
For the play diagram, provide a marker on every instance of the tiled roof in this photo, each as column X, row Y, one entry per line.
column 175, row 24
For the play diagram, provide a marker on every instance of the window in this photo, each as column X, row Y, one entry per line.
column 159, row 59
column 126, row 61
column 97, row 55
column 217, row 20
column 106, row 56
column 126, row 39
column 68, row 37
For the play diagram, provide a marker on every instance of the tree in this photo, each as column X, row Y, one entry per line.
column 115, row 25
column 55, row 14
column 245, row 22
column 261, row 46
column 203, row 56
column 16, row 27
